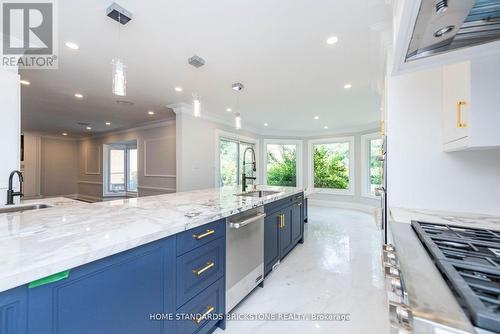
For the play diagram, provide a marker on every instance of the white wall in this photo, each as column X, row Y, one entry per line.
column 421, row 175
column 156, row 146
column 9, row 129
column 196, row 158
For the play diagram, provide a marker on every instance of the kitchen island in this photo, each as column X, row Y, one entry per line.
column 121, row 266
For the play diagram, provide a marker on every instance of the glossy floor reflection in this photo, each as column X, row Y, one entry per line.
column 336, row 270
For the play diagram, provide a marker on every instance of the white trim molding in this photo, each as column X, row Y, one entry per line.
column 98, row 172
column 352, row 166
column 365, row 164
column 299, row 161
column 146, row 174
column 343, row 205
column 157, row 188
column 95, row 183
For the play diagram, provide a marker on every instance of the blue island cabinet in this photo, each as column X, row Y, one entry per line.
column 136, row 291
column 283, row 229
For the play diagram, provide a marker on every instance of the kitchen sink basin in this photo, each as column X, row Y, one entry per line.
column 24, row 208
column 258, row 193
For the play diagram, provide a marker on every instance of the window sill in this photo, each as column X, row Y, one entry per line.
column 332, row 191
column 370, row 196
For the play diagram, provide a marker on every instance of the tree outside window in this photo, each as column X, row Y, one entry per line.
column 282, row 165
column 231, row 161
column 331, row 165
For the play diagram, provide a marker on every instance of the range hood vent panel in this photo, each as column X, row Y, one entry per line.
column 467, row 22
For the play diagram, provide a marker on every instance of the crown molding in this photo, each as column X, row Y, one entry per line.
column 136, row 128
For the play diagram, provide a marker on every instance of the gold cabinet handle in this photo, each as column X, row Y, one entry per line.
column 282, row 220
column 209, row 265
column 279, row 221
column 202, row 317
column 460, row 104
column 203, row 235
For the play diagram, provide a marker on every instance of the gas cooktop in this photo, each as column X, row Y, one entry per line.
column 469, row 259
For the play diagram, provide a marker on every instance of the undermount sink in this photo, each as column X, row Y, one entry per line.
column 258, row 193
column 24, row 208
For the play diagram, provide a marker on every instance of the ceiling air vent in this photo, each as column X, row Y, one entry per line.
column 196, row 61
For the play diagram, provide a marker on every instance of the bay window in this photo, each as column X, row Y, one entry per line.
column 283, row 163
column 331, row 164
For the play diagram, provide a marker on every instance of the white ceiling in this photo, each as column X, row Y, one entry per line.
column 276, row 48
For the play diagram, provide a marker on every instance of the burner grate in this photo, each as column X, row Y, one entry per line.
column 469, row 258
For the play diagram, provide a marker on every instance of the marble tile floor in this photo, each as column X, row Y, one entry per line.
column 336, row 270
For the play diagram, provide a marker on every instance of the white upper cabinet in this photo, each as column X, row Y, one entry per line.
column 471, row 105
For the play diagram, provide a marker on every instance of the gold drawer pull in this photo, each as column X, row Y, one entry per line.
column 209, row 265
column 202, row 317
column 460, row 104
column 203, row 235
column 281, row 221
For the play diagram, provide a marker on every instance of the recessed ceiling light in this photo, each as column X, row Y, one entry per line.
column 178, row 89
column 78, row 96
column 88, row 128
column 151, row 112
column 108, row 123
column 316, row 117
column 72, row 45
column 229, row 109
column 325, row 127
column 348, row 86
column 25, row 82
column 265, row 124
column 64, row 134
column 332, row 40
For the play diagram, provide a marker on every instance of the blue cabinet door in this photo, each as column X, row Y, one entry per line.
column 13, row 310
column 271, row 241
column 297, row 221
column 286, row 242
column 117, row 294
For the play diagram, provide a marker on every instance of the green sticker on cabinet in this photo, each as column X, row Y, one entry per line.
column 49, row 279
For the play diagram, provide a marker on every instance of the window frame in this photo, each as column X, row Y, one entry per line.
column 352, row 165
column 365, row 163
column 220, row 134
column 299, row 166
column 107, row 170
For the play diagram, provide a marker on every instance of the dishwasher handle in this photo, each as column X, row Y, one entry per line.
column 246, row 221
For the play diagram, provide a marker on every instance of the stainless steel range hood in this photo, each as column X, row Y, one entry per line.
column 445, row 25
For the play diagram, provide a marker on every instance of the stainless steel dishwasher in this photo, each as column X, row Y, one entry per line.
column 244, row 254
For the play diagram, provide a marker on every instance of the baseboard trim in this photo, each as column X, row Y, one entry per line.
column 85, row 198
column 343, row 205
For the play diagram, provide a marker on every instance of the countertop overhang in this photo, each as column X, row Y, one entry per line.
column 35, row 244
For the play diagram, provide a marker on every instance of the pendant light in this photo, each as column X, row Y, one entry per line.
column 119, row 80
column 196, row 106
column 196, row 62
column 119, row 77
column 237, row 120
column 238, row 87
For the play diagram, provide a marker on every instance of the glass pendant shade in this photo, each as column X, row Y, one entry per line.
column 119, row 77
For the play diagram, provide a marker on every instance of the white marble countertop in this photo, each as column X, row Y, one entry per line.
column 38, row 243
column 404, row 215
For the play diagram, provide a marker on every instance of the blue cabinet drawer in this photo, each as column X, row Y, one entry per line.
column 199, row 236
column 277, row 205
column 209, row 303
column 198, row 269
